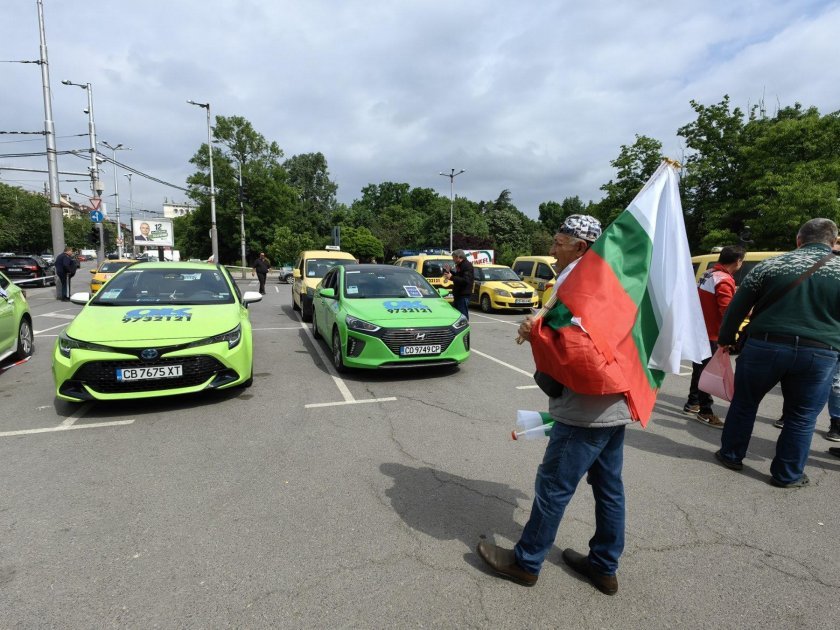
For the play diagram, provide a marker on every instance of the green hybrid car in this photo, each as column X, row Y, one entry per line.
column 156, row 329
column 381, row 316
column 15, row 322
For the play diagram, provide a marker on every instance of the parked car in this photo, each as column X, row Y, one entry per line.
column 48, row 257
column 286, row 275
column 16, row 336
column 32, row 270
column 106, row 271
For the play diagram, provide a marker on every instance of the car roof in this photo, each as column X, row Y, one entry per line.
column 196, row 266
column 377, row 268
column 491, row 266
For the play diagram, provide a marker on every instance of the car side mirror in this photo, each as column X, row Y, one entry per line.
column 80, row 298
column 249, row 297
column 443, row 292
column 296, row 274
column 93, row 271
column 327, row 293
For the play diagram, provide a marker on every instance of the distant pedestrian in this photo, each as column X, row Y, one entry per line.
column 261, row 267
column 65, row 268
column 462, row 281
column 715, row 288
column 794, row 337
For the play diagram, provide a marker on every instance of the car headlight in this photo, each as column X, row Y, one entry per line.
column 233, row 337
column 462, row 321
column 67, row 343
column 502, row 293
column 354, row 323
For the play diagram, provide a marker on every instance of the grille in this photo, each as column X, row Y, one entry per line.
column 522, row 294
column 396, row 337
column 101, row 376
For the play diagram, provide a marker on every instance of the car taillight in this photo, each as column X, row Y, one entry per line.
column 30, row 267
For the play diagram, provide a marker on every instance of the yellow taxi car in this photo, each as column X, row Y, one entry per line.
column 105, row 271
column 310, row 268
column 498, row 287
column 538, row 272
column 706, row 261
column 431, row 267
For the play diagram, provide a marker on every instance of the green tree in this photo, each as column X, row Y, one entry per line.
column 309, row 176
column 635, row 164
column 362, row 244
column 24, row 220
column 287, row 245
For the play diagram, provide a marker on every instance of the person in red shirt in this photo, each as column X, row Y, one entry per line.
column 716, row 288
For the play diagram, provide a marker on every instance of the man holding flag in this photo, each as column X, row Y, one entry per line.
column 626, row 312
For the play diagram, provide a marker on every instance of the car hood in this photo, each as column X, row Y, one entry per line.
column 125, row 326
column 404, row 312
column 507, row 285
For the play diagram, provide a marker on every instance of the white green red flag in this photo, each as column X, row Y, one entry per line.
column 629, row 312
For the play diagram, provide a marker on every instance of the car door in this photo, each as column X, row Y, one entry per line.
column 8, row 325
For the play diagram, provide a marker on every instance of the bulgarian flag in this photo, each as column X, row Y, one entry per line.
column 628, row 312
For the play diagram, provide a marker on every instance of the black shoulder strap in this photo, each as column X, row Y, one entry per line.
column 774, row 296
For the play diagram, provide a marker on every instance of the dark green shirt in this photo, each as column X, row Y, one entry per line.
column 811, row 310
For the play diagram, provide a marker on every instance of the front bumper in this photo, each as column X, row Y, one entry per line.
column 381, row 349
column 91, row 375
column 505, row 303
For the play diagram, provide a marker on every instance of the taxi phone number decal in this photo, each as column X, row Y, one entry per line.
column 158, row 315
column 406, row 306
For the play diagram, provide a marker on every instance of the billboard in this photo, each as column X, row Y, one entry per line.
column 480, row 256
column 153, row 232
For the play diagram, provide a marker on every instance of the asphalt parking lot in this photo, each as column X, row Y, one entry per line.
column 313, row 500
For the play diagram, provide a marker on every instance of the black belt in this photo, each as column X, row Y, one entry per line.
column 794, row 341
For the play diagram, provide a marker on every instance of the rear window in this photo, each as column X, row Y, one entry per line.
column 17, row 261
column 434, row 267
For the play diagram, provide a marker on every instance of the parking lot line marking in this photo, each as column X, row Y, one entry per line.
column 96, row 425
column 350, row 402
column 38, row 332
column 53, row 313
column 279, row 328
column 500, row 362
column 342, row 386
column 496, row 319
column 527, row 387
column 57, row 315
column 80, row 413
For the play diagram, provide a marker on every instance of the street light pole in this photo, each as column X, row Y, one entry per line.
column 114, row 149
column 214, row 242
column 95, row 182
column 241, row 219
column 131, row 210
column 451, row 175
column 56, row 215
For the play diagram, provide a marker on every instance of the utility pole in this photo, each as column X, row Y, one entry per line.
column 95, row 183
column 214, row 241
column 131, row 210
column 56, row 215
column 451, row 175
column 114, row 149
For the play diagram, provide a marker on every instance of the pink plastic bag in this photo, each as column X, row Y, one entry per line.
column 717, row 378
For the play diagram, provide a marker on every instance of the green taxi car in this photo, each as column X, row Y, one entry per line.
column 381, row 316
column 156, row 329
column 16, row 337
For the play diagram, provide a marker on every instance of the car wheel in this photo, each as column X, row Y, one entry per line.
column 485, row 304
column 306, row 310
column 25, row 339
column 315, row 332
column 290, row 279
column 338, row 359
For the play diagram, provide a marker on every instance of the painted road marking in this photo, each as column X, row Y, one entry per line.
column 496, row 319
column 38, row 332
column 69, row 424
column 342, row 386
column 500, row 362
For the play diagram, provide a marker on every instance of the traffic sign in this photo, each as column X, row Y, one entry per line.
column 96, row 216
column 94, row 203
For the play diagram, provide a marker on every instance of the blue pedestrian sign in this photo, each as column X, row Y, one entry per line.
column 96, row 216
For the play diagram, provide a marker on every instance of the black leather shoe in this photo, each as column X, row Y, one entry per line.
column 503, row 562
column 607, row 584
column 728, row 463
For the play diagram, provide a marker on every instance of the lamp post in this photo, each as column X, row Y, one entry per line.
column 95, row 182
column 214, row 242
column 114, row 149
column 131, row 210
column 241, row 219
column 452, row 175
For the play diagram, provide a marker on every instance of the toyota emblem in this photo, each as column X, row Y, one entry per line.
column 149, row 354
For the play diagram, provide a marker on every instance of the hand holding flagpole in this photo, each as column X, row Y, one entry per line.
column 541, row 313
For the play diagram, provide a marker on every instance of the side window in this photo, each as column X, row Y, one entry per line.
column 331, row 280
column 478, row 275
column 3, row 282
column 544, row 272
column 523, row 268
column 300, row 266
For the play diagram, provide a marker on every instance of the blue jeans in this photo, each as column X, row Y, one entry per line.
column 570, row 454
column 834, row 395
column 462, row 305
column 804, row 373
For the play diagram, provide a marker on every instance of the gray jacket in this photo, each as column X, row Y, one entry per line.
column 590, row 411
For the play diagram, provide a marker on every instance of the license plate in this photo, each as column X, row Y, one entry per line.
column 408, row 351
column 148, row 373
column 523, row 301
column 15, row 269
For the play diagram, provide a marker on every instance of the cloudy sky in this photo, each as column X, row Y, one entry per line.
column 531, row 96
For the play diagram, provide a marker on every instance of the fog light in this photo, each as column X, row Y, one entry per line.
column 354, row 346
column 467, row 341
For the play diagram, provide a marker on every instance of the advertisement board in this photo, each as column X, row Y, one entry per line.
column 153, row 232
column 481, row 256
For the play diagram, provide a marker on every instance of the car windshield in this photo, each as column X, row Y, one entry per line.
column 318, row 267
column 398, row 282
column 17, row 262
column 114, row 267
column 434, row 267
column 165, row 286
column 499, row 273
